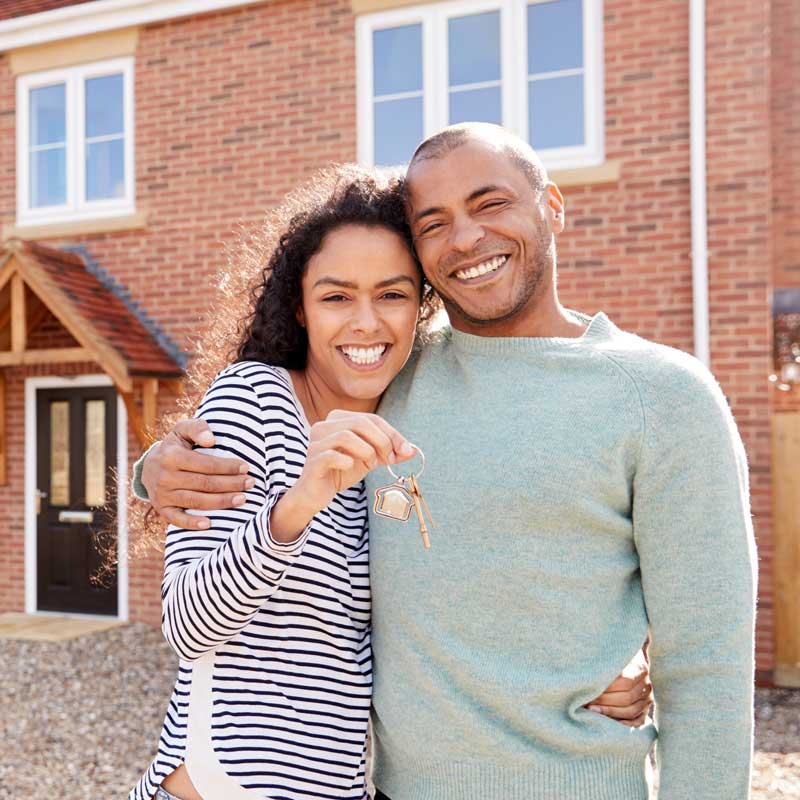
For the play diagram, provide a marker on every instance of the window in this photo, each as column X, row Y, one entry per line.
column 75, row 143
column 534, row 66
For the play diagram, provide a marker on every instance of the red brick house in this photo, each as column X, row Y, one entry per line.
column 135, row 134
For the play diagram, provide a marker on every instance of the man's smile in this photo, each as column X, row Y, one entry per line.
column 482, row 270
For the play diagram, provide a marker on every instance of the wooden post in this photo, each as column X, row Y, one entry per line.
column 3, row 432
column 134, row 417
column 786, row 564
column 19, row 328
column 149, row 403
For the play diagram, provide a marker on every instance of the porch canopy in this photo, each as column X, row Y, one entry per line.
column 55, row 309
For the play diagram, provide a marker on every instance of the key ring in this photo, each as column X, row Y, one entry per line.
column 414, row 475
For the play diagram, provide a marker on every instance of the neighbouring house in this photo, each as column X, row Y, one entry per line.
column 135, row 135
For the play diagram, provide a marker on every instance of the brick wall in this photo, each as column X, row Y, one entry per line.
column 233, row 109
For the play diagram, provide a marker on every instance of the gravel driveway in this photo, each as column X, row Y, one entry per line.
column 79, row 720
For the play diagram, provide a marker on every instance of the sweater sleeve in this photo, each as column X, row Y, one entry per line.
column 216, row 580
column 137, row 487
column 694, row 536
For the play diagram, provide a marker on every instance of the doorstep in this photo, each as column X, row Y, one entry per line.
column 51, row 627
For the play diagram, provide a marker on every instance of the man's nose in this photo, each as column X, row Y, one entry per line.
column 466, row 233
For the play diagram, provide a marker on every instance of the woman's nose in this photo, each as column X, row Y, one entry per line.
column 366, row 318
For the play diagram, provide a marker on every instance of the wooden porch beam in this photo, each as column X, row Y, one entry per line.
column 19, row 327
column 134, row 417
column 149, row 403
column 173, row 385
column 55, row 355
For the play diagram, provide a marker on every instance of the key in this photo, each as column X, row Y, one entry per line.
column 419, row 504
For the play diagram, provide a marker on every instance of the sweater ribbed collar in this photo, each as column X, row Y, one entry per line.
column 597, row 327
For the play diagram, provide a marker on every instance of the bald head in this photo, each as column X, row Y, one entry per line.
column 518, row 151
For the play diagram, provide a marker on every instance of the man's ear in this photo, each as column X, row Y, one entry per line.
column 555, row 207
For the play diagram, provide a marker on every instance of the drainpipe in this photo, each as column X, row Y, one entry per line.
column 697, row 123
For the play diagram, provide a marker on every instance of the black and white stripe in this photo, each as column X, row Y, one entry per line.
column 288, row 625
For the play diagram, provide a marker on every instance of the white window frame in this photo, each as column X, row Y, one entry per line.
column 513, row 68
column 76, row 206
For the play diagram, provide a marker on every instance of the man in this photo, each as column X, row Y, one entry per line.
column 587, row 485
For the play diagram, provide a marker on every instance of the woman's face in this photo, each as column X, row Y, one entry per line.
column 361, row 296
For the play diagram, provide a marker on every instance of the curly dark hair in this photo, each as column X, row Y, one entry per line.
column 345, row 195
column 259, row 291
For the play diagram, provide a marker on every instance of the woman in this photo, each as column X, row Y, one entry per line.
column 269, row 608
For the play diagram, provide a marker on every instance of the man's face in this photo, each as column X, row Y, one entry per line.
column 483, row 235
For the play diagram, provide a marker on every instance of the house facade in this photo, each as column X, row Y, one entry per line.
column 135, row 136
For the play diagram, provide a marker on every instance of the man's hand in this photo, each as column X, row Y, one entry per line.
column 629, row 697
column 177, row 478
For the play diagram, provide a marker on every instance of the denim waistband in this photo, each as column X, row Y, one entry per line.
column 163, row 794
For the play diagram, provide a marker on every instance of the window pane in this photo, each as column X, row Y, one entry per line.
column 104, row 113
column 555, row 36
column 555, row 108
column 476, row 105
column 474, row 48
column 95, row 452
column 398, row 130
column 48, row 178
column 397, row 60
column 105, row 169
column 48, row 114
column 59, row 453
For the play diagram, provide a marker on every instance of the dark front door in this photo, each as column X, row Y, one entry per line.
column 76, row 451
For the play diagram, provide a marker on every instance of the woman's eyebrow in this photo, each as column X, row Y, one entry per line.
column 330, row 281
column 335, row 282
column 396, row 279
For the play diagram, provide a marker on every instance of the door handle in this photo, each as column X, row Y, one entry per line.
column 40, row 495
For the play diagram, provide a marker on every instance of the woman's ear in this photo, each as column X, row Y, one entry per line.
column 300, row 316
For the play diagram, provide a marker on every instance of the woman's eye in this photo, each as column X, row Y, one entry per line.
column 394, row 296
column 334, row 298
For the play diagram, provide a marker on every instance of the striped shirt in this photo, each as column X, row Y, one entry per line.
column 275, row 676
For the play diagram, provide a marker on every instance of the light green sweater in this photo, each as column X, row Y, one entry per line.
column 582, row 489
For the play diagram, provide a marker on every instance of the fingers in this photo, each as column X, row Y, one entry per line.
column 387, row 443
column 194, row 431
column 629, row 713
column 175, row 457
column 211, row 484
column 624, row 697
column 201, row 500
column 628, row 681
column 350, row 444
column 179, row 518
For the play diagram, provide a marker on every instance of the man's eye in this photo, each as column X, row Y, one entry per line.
column 492, row 204
column 430, row 228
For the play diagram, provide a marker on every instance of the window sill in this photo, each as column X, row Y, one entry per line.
column 608, row 172
column 55, row 230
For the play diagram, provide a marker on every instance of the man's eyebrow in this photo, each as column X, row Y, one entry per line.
column 491, row 187
column 330, row 281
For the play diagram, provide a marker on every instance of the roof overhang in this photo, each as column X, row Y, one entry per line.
column 101, row 15
column 37, row 282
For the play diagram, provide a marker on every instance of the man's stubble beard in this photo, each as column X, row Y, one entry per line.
column 543, row 259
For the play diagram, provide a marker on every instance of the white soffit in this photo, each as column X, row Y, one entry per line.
column 98, row 16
